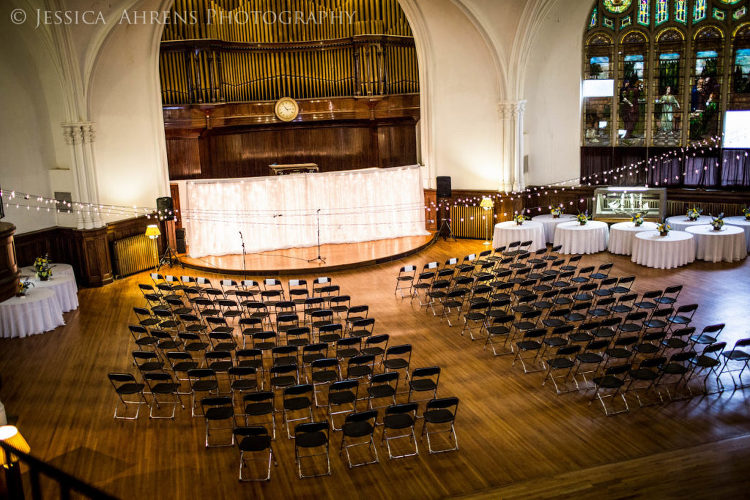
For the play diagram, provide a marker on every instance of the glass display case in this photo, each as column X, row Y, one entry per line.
column 617, row 204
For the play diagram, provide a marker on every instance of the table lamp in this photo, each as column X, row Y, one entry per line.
column 9, row 435
column 152, row 231
column 487, row 204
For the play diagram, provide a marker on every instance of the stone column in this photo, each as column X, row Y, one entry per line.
column 511, row 113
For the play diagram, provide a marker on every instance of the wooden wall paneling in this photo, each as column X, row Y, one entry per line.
column 184, row 156
column 8, row 266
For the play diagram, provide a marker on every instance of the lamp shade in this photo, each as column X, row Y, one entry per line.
column 152, row 231
column 487, row 203
column 10, row 435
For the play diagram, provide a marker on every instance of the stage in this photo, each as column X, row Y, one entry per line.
column 296, row 260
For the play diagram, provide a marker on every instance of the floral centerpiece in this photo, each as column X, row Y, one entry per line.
column 43, row 268
column 717, row 222
column 23, row 287
column 637, row 219
column 693, row 214
column 556, row 212
column 582, row 218
column 519, row 219
column 746, row 213
column 663, row 228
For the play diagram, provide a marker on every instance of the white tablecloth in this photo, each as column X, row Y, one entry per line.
column 575, row 238
column 39, row 311
column 740, row 221
column 549, row 223
column 58, row 269
column 680, row 222
column 508, row 232
column 621, row 236
column 727, row 244
column 65, row 290
column 663, row 252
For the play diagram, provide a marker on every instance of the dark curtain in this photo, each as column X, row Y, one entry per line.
column 703, row 168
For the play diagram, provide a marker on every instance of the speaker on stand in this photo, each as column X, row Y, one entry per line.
column 444, row 191
column 165, row 213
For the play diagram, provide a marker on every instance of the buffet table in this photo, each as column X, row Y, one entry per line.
column 663, row 252
column 57, row 270
column 37, row 312
column 728, row 244
column 740, row 221
column 508, row 232
column 621, row 236
column 64, row 288
column 577, row 239
column 549, row 223
column 681, row 222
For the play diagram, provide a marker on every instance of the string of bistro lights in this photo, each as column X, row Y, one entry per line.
column 20, row 200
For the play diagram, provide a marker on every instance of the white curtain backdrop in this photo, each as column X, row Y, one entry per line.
column 280, row 212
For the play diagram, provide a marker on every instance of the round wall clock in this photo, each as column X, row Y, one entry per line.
column 286, row 109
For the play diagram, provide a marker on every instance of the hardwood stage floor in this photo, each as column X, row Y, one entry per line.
column 518, row 439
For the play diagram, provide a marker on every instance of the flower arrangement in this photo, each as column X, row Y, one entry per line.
column 717, row 222
column 746, row 213
column 693, row 213
column 663, row 228
column 519, row 219
column 637, row 219
column 43, row 268
column 23, row 287
column 582, row 218
column 556, row 212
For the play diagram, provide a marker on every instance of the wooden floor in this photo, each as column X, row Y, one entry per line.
column 300, row 260
column 518, row 439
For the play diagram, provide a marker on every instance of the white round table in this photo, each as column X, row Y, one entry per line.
column 58, row 269
column 39, row 311
column 740, row 221
column 576, row 239
column 508, row 232
column 680, row 222
column 549, row 223
column 621, row 236
column 728, row 244
column 663, row 252
column 64, row 288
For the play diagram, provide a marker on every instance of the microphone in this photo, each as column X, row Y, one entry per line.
column 240, row 234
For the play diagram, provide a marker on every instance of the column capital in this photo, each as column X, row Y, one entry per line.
column 511, row 109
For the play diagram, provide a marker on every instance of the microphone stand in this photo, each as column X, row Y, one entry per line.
column 318, row 258
column 244, row 265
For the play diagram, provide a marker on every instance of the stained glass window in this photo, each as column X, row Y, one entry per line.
column 662, row 12
column 718, row 14
column 705, row 96
column 626, row 21
column 731, row 2
column 680, row 11
column 617, row 6
column 668, row 115
column 598, row 91
column 741, row 72
column 643, row 12
column 699, row 11
column 608, row 23
column 594, row 15
column 739, row 13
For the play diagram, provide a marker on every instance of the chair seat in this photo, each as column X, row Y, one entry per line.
column 706, row 362
column 324, row 376
column 643, row 374
column 130, row 388
column 555, row 341
column 552, row 322
column 736, row 355
column 603, row 292
column 621, row 309
column 184, row 366
column 438, row 416
column 381, row 391
column 542, row 304
column 150, row 366
column 452, row 304
column 405, row 278
column 645, row 305
column 604, row 333
column 244, row 385
column 357, row 429
column 347, row 353
column 298, row 403
column 375, row 351
column 655, row 323
column 329, row 338
column 341, row 398
column 422, row 384
column 674, row 343
column 580, row 337
column 560, row 363
column 311, row 439
column 619, row 289
column 498, row 330
column 399, row 421
column 680, row 320
column 646, row 348
column 608, row 382
column 309, row 358
column 165, row 388
column 256, row 409
column 523, row 308
column 598, row 276
column 474, row 316
column 205, row 385
column 630, row 327
column 283, row 380
column 524, row 325
column 674, row 369
column 255, row 443
column 619, row 353
column 360, row 371
column 196, row 346
column 220, row 366
column 589, row 357
column 146, row 341
column 575, row 317
column 222, row 413
column 395, row 364
column 528, row 345
column 583, row 297
column 702, row 339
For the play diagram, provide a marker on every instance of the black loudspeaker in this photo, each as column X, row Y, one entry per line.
column 443, row 186
column 164, row 206
column 2, row 207
column 180, row 240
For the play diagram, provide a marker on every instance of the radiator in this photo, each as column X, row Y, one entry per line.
column 467, row 222
column 133, row 255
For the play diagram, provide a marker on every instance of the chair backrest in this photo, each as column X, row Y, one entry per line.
column 717, row 328
column 561, row 330
column 218, row 402
column 714, row 348
column 377, row 339
column 309, row 428
column 652, row 294
column 443, row 403
column 398, row 350
column 688, row 308
column 324, row 363
column 297, row 390
column 120, row 378
column 401, row 408
column 362, row 416
column 408, row 269
column 384, row 378
column 343, row 385
column 568, row 350
column 653, row 362
column 258, row 397
column 742, row 343
column 636, row 316
column 254, row 431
